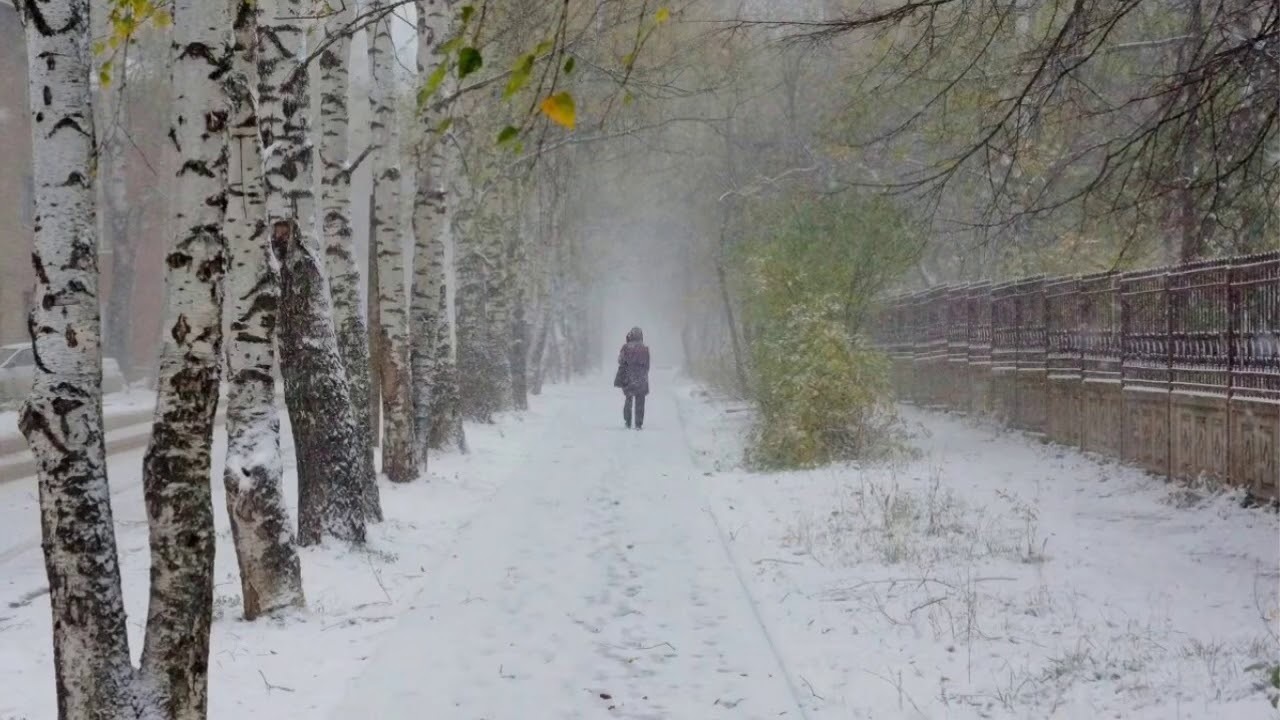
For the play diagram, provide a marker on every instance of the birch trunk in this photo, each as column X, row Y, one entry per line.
column 330, row 490
column 176, row 467
column 270, row 574
column 340, row 260
column 517, row 294
column 447, row 430
column 472, row 313
column 398, row 461
column 375, row 322
column 500, row 291
column 429, row 306
column 119, row 335
column 62, row 418
column 535, row 363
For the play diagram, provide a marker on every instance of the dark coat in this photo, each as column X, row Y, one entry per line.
column 633, row 368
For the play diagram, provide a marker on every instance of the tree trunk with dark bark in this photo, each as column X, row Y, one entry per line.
column 330, row 487
column 340, row 260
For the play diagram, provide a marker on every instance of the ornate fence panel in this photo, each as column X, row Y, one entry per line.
column 1175, row 369
column 1199, row 372
column 916, row 346
column 1101, row 400
column 1004, row 351
column 895, row 339
column 1031, row 400
column 1254, row 352
column 933, row 357
column 956, row 393
column 1062, row 359
column 1144, row 311
column 978, row 317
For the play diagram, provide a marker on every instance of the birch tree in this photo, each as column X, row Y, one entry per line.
column 177, row 464
column 447, row 430
column 398, row 461
column 62, row 418
column 429, row 300
column 519, row 292
column 499, row 290
column 471, row 300
column 340, row 261
column 318, row 396
column 115, row 222
column 270, row 574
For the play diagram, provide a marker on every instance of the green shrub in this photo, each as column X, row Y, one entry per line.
column 821, row 397
column 807, row 277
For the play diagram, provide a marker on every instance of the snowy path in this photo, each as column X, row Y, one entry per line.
column 595, row 581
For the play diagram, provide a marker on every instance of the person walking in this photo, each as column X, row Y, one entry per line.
column 633, row 376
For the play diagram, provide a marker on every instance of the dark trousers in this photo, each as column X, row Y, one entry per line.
column 638, row 401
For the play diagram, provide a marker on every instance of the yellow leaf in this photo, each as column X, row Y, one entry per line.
column 162, row 19
column 664, row 14
column 560, row 109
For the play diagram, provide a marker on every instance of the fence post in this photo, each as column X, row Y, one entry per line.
column 1078, row 307
column 1233, row 312
column 1168, row 375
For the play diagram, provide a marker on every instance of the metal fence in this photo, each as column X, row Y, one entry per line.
column 1174, row 369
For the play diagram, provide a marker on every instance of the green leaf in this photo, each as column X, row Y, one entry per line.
column 519, row 76
column 444, row 125
column 433, row 84
column 628, row 98
column 544, row 47
column 469, row 61
column 468, row 12
column 629, row 61
column 450, row 45
column 663, row 15
column 568, row 65
column 561, row 109
column 508, row 134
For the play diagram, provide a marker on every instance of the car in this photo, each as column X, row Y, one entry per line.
column 17, row 371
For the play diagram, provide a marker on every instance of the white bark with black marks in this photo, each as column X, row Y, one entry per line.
column 471, row 305
column 429, row 294
column 339, row 250
column 398, row 456
column 500, row 291
column 330, row 489
column 518, row 273
column 177, row 465
column 270, row 574
column 62, row 418
column 447, row 429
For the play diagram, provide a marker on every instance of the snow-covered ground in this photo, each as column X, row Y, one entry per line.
column 986, row 575
column 275, row 670
column 568, row 568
